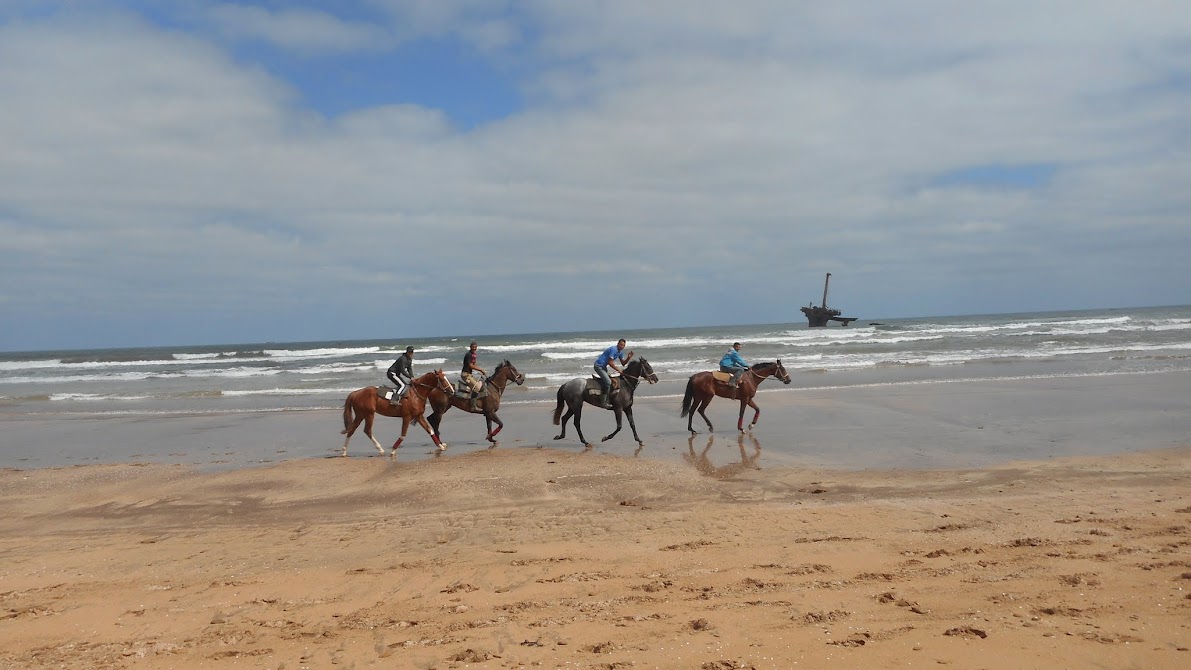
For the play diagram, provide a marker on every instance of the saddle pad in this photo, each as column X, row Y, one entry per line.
column 465, row 393
column 721, row 376
column 385, row 392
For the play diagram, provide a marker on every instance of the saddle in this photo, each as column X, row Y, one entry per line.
column 387, row 392
column 594, row 388
column 721, row 376
column 464, row 393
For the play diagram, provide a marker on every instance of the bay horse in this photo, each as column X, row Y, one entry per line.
column 578, row 391
column 495, row 384
column 365, row 404
column 702, row 387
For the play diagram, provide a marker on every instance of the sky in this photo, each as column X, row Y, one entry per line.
column 181, row 172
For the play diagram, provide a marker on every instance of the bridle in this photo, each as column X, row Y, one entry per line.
column 773, row 373
column 638, row 377
column 490, row 380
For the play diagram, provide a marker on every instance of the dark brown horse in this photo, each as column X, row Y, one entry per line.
column 703, row 386
column 487, row 405
column 365, row 404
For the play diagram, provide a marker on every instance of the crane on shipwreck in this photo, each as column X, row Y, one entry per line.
column 817, row 317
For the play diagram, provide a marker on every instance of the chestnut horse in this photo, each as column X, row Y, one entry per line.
column 702, row 387
column 365, row 404
column 578, row 391
column 495, row 385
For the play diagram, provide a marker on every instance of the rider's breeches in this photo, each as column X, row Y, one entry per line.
column 472, row 383
column 605, row 380
column 399, row 383
column 735, row 371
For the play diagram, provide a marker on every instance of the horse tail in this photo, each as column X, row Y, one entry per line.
column 558, row 407
column 688, row 399
column 347, row 414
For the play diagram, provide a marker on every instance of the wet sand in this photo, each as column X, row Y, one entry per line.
column 718, row 552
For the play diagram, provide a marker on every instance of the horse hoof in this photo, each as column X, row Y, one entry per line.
column 605, row 438
column 559, row 437
column 589, row 446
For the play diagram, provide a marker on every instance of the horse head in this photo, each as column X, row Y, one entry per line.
column 511, row 371
column 444, row 384
column 642, row 369
column 779, row 371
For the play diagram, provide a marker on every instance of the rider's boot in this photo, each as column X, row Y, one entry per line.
column 475, row 404
column 604, row 401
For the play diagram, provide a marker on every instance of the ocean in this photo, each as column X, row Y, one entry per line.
column 224, row 380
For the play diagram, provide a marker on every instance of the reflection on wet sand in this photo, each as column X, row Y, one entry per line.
column 703, row 464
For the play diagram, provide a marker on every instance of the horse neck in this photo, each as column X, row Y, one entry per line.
column 767, row 370
column 499, row 380
column 633, row 377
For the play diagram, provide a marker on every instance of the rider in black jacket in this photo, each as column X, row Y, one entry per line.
column 401, row 372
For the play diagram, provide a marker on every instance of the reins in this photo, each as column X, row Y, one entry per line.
column 636, row 379
column 771, row 373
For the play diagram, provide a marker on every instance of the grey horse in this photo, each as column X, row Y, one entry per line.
column 577, row 391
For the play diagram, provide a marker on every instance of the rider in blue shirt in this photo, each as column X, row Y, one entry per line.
column 609, row 357
column 732, row 363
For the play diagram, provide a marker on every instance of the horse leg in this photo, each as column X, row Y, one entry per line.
column 578, row 415
column 703, row 406
column 433, row 435
column 404, row 430
column 368, row 431
column 615, row 410
column 489, row 419
column 691, row 409
column 351, row 431
column 757, row 415
column 571, row 412
column 744, row 403
column 435, row 420
column 633, row 424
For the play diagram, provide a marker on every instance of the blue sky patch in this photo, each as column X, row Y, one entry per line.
column 1026, row 176
column 440, row 74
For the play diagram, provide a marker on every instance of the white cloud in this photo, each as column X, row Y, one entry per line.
column 670, row 158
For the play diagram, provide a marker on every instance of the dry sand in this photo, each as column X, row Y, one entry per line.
column 528, row 557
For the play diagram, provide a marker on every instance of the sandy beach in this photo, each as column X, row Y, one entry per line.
column 711, row 555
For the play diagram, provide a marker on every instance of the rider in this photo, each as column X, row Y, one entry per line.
column 609, row 357
column 401, row 372
column 733, row 364
column 469, row 365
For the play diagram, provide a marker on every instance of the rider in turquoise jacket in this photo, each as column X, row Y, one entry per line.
column 733, row 364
